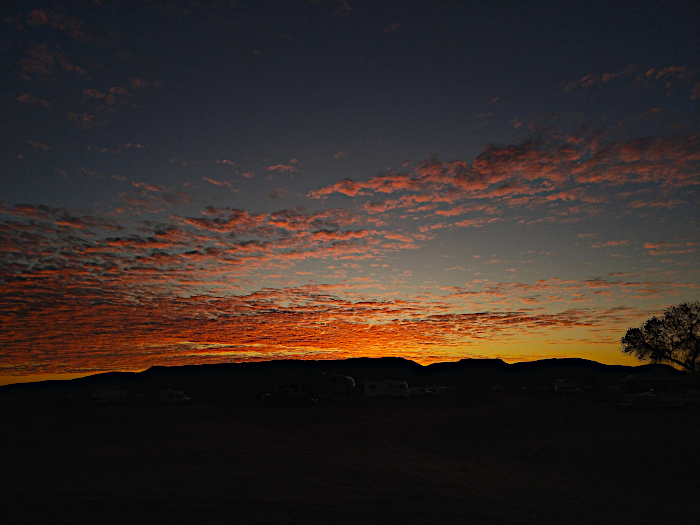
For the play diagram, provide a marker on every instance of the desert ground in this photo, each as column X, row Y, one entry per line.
column 466, row 457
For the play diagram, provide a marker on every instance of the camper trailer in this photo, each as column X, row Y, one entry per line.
column 566, row 386
column 173, row 397
column 387, row 388
column 108, row 396
column 437, row 390
column 420, row 391
column 323, row 386
column 671, row 392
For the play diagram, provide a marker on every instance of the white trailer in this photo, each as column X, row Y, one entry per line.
column 387, row 388
column 173, row 397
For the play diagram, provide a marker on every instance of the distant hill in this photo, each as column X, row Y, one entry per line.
column 243, row 380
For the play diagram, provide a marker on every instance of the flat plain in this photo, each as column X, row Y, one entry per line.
column 467, row 457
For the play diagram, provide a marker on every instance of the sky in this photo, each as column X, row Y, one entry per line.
column 204, row 182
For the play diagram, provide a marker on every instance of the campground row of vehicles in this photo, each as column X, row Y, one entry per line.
column 306, row 390
column 329, row 387
column 118, row 396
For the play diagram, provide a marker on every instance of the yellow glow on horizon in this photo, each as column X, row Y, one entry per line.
column 11, row 380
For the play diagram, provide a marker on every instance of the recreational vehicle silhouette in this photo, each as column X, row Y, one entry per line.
column 173, row 397
column 108, row 396
column 387, row 388
column 323, row 387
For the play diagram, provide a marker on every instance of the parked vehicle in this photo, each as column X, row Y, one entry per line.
column 437, row 390
column 325, row 387
column 566, row 386
column 419, row 391
column 173, row 397
column 109, row 396
column 287, row 397
column 669, row 392
column 387, row 388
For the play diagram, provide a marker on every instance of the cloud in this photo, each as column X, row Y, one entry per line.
column 666, row 248
column 38, row 145
column 336, row 235
column 593, row 79
column 631, row 71
column 609, row 244
column 118, row 90
column 37, row 18
column 296, row 219
column 138, row 83
column 666, row 203
column 695, row 95
column 392, row 28
column 38, row 63
column 84, row 120
column 339, row 155
column 475, row 223
column 267, row 324
column 93, row 93
column 148, row 186
column 70, row 277
column 220, row 183
column 346, row 186
column 284, row 168
column 668, row 70
column 572, row 168
column 28, row 99
column 238, row 221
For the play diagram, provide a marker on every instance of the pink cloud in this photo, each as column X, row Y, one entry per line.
column 380, row 207
column 220, row 183
column 148, row 186
column 609, row 244
column 238, row 221
column 326, row 235
column 284, row 168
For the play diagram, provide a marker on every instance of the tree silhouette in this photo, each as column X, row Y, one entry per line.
column 673, row 339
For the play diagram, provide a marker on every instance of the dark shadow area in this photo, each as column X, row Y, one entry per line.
column 473, row 455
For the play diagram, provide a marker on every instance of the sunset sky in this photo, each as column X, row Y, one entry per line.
column 201, row 182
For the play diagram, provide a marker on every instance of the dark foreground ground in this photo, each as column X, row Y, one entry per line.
column 478, row 458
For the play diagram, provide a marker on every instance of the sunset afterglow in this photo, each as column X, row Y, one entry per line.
column 187, row 183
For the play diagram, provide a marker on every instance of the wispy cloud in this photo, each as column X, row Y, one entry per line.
column 284, row 168
column 220, row 183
